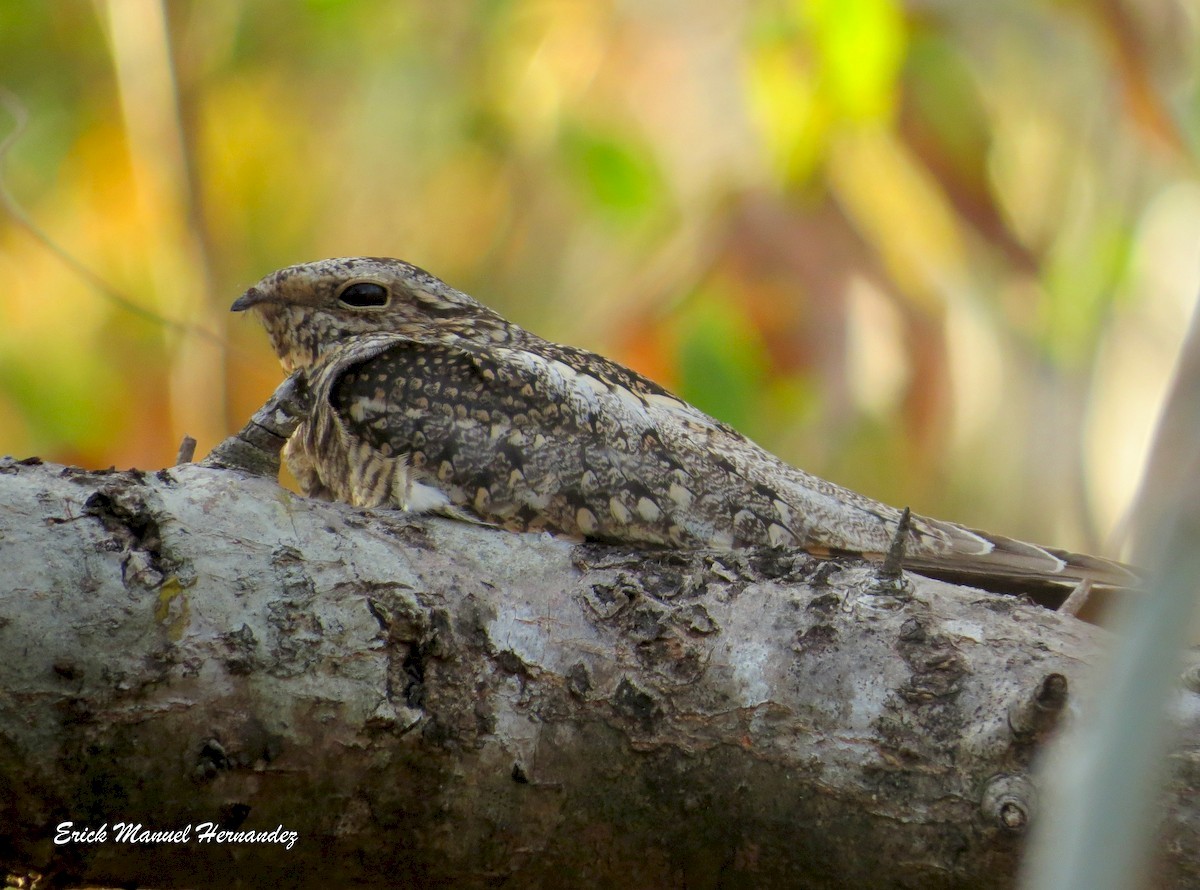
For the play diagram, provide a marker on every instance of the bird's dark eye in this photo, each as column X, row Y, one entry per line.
column 363, row 294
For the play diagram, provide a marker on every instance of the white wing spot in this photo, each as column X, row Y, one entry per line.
column 785, row 513
column 648, row 510
column 721, row 540
column 619, row 511
column 586, row 520
column 360, row 407
column 680, row 495
column 425, row 498
column 780, row 536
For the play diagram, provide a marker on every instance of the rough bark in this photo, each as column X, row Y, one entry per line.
column 430, row 703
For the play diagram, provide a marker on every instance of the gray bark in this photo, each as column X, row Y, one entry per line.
column 431, row 703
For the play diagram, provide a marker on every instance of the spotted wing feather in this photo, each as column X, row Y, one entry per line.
column 522, row 447
column 534, row 436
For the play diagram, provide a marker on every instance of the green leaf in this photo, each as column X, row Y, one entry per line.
column 722, row 362
column 615, row 175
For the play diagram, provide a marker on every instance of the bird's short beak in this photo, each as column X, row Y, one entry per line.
column 247, row 300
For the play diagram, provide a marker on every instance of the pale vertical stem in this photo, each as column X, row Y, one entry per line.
column 173, row 253
column 1105, row 776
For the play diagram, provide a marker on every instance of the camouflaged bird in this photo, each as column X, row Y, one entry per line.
column 427, row 401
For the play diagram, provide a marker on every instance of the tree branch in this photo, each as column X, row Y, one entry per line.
column 427, row 702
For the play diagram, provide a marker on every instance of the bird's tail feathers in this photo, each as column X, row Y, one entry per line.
column 978, row 557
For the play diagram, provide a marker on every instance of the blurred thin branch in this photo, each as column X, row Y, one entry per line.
column 157, row 144
column 16, row 109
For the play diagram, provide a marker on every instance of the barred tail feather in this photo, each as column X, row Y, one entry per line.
column 997, row 562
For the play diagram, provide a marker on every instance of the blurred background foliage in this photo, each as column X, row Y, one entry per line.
column 940, row 252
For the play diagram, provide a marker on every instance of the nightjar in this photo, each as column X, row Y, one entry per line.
column 426, row 400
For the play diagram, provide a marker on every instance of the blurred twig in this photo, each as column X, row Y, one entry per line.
column 16, row 109
column 175, row 256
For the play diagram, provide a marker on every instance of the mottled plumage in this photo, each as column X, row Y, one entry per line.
column 426, row 400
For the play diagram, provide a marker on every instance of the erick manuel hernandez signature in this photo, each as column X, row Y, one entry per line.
column 199, row 832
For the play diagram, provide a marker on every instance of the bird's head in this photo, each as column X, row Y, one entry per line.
column 312, row 307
